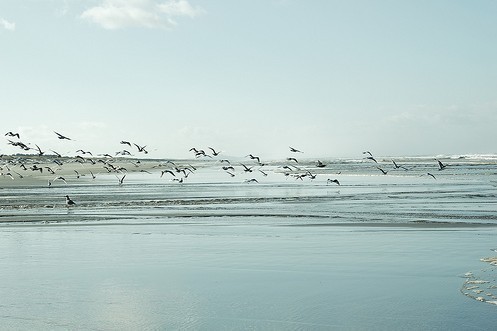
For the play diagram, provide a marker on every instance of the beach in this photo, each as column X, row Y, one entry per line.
column 402, row 251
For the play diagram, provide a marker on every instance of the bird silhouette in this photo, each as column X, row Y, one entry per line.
column 69, row 202
column 245, row 168
column 12, row 134
column 62, row 136
column 294, row 150
column 320, row 164
column 253, row 157
column 121, row 180
column 383, row 171
column 332, row 181
column 396, row 166
column 141, row 149
column 214, row 152
column 441, row 166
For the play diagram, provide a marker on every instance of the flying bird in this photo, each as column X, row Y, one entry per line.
column 253, row 157
column 60, row 178
column 167, row 171
column 57, row 154
column 246, row 169
column 383, row 171
column 62, row 136
column 333, row 181
column 214, row 152
column 141, row 149
column 40, row 152
column 294, row 150
column 396, row 166
column 121, row 180
column 12, row 134
column 431, row 175
column 320, row 164
column 441, row 166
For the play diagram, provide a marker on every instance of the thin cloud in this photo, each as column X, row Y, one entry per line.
column 7, row 25
column 119, row 14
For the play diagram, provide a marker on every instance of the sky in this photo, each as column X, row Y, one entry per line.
column 330, row 78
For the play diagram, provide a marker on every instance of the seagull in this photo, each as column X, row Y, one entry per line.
column 396, row 166
column 254, row 158
column 372, row 159
column 320, row 164
column 69, row 202
column 367, row 152
column 40, row 152
column 295, row 150
column 58, row 154
column 292, row 159
column 431, row 175
column 60, row 178
column 441, row 166
column 121, row 180
column 383, row 171
column 36, row 168
column 333, row 181
column 8, row 174
column 61, row 136
column 167, row 171
column 50, row 170
column 12, row 134
column 84, row 152
column 246, row 169
column 253, row 180
column 123, row 142
column 141, row 148
column 214, row 152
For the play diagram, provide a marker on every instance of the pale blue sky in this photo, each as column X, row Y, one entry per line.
column 332, row 78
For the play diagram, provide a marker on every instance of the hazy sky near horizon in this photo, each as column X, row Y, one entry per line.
column 332, row 78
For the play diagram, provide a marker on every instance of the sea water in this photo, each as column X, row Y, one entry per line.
column 376, row 252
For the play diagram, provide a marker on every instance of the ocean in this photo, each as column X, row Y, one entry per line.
column 281, row 246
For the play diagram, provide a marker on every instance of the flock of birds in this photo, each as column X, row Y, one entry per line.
column 37, row 160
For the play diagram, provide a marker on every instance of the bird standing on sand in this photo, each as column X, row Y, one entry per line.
column 69, row 202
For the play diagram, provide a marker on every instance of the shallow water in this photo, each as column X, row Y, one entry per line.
column 377, row 252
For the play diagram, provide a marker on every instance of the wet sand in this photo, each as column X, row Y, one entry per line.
column 377, row 253
column 243, row 276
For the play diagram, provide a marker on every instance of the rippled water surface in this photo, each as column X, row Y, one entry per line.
column 376, row 252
